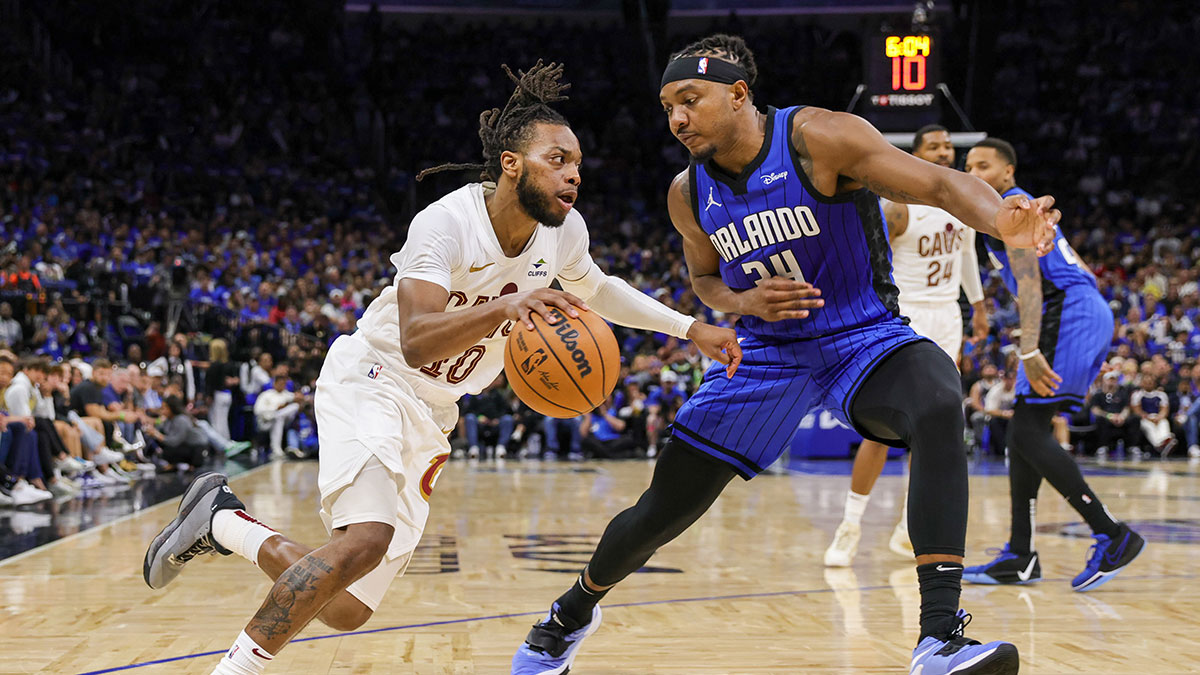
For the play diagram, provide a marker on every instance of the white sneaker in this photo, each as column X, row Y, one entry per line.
column 1194, row 451
column 473, row 452
column 23, row 493
column 107, row 456
column 501, row 452
column 6, row 500
column 59, row 488
column 110, row 477
column 66, row 465
column 845, row 544
column 900, row 543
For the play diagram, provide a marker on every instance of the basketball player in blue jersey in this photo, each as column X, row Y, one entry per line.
column 781, row 224
column 1066, row 333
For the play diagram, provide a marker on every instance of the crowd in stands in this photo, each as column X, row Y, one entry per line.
column 210, row 214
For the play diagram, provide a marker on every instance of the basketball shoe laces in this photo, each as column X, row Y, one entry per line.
column 956, row 640
column 203, row 546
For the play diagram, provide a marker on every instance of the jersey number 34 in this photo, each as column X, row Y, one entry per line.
column 785, row 265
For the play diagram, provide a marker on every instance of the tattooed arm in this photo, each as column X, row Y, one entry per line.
column 844, row 151
column 1024, row 266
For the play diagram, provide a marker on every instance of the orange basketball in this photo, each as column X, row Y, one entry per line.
column 565, row 369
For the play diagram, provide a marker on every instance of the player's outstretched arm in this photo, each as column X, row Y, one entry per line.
column 774, row 299
column 428, row 333
column 617, row 301
column 846, row 145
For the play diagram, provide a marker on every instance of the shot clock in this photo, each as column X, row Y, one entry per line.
column 904, row 70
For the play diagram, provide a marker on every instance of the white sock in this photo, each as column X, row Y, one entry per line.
column 855, row 505
column 239, row 532
column 245, row 657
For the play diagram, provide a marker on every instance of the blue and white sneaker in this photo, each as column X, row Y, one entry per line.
column 961, row 655
column 1006, row 568
column 1107, row 557
column 549, row 649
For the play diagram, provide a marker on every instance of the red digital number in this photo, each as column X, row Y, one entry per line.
column 908, row 73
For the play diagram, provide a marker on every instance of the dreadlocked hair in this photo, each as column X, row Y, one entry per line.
column 727, row 48
column 509, row 129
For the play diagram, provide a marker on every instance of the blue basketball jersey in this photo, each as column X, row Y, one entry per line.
column 769, row 221
column 1061, row 268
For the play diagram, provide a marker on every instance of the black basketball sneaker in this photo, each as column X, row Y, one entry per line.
column 1006, row 568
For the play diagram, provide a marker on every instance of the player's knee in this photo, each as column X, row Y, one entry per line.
column 363, row 547
column 941, row 411
column 346, row 616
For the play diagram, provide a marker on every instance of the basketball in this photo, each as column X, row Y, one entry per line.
column 565, row 369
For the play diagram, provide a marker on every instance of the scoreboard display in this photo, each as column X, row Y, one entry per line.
column 903, row 71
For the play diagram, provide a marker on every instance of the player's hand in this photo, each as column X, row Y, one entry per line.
column 777, row 298
column 1041, row 376
column 520, row 306
column 718, row 344
column 1025, row 223
column 979, row 328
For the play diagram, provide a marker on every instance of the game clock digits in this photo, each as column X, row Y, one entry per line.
column 905, row 70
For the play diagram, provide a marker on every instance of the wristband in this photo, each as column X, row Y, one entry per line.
column 121, row 417
column 1030, row 355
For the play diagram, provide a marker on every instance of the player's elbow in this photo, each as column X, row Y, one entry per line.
column 414, row 354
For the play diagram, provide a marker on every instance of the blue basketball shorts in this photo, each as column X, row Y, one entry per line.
column 748, row 420
column 1077, row 333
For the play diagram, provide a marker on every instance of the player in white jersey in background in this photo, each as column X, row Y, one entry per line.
column 933, row 255
column 475, row 261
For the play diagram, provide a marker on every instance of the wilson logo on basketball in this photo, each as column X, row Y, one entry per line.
column 429, row 478
column 535, row 359
column 570, row 341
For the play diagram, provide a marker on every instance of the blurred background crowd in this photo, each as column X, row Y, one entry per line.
column 187, row 224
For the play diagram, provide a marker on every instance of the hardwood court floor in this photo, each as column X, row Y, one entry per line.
column 742, row 592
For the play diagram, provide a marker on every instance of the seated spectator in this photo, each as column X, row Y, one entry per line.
column 1151, row 404
column 87, row 401
column 976, row 416
column 1114, row 418
column 998, row 406
column 10, row 328
column 182, row 442
column 552, row 427
column 1186, row 404
column 275, row 409
column 488, row 411
column 661, row 404
column 610, row 434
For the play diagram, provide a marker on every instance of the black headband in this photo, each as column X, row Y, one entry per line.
column 703, row 68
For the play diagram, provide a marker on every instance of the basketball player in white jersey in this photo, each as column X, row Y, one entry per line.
column 475, row 261
column 933, row 255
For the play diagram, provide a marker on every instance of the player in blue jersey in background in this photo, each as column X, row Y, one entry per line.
column 781, row 225
column 1066, row 333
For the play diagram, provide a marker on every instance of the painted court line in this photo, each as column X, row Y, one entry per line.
column 493, row 617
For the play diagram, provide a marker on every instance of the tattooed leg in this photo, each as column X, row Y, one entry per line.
column 316, row 579
column 345, row 612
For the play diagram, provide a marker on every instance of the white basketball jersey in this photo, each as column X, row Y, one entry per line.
column 927, row 258
column 452, row 243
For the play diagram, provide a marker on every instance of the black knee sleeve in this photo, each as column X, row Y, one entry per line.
column 915, row 398
column 686, row 482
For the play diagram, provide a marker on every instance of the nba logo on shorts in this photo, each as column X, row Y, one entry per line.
column 702, row 67
column 374, row 371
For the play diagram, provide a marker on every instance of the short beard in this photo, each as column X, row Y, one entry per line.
column 536, row 204
column 705, row 154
